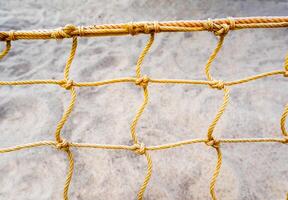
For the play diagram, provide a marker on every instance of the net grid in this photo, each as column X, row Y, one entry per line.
column 220, row 28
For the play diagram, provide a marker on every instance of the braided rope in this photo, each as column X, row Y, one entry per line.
column 220, row 28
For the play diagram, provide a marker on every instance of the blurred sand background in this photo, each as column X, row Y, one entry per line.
column 175, row 112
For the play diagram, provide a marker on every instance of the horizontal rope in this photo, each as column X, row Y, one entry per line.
column 148, row 148
column 144, row 28
column 133, row 80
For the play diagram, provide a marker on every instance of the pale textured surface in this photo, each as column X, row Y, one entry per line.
column 174, row 113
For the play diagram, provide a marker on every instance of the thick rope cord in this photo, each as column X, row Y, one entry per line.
column 220, row 27
column 146, row 28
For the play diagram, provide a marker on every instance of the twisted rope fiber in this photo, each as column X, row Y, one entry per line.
column 220, row 27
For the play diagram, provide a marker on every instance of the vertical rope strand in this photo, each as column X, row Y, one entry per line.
column 283, row 121
column 138, row 115
column 285, row 112
column 143, row 54
column 144, row 83
column 70, row 58
column 61, row 143
column 216, row 173
column 66, row 115
column 219, row 114
column 72, row 91
column 145, row 89
column 6, row 50
column 212, row 57
column 211, row 141
column 147, row 177
column 286, row 64
column 69, row 174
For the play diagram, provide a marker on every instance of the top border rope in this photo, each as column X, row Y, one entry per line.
column 218, row 26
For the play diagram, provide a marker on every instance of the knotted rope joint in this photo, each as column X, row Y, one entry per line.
column 142, row 81
column 65, row 32
column 217, row 84
column 285, row 140
column 64, row 145
column 148, row 28
column 131, row 28
column 11, row 36
column 68, row 84
column 139, row 149
column 151, row 27
column 219, row 29
column 213, row 143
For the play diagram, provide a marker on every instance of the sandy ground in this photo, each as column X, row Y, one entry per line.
column 104, row 114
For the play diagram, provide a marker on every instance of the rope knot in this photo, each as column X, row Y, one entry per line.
column 131, row 29
column 8, row 36
column 64, row 145
column 140, row 149
column 11, row 36
column 286, row 73
column 65, row 32
column 142, row 81
column 219, row 29
column 151, row 28
column 285, row 139
column 213, row 143
column 68, row 84
column 217, row 84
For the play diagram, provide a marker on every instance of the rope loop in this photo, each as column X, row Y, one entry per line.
column 142, row 81
column 67, row 84
column 213, row 143
column 219, row 29
column 65, row 32
column 217, row 84
column 152, row 28
column 139, row 149
column 63, row 145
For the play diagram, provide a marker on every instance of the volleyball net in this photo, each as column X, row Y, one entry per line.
column 220, row 28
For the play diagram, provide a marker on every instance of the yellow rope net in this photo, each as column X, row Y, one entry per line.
column 220, row 27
